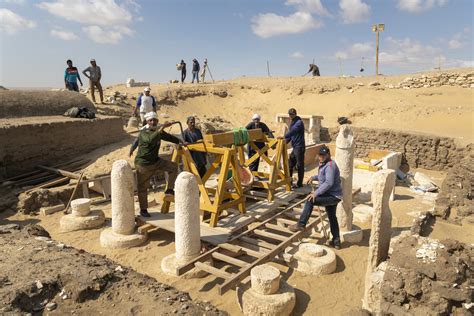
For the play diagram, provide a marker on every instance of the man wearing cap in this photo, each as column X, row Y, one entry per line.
column 196, row 69
column 145, row 103
column 182, row 65
column 295, row 135
column 94, row 80
column 256, row 123
column 192, row 135
column 328, row 194
column 147, row 161
column 71, row 75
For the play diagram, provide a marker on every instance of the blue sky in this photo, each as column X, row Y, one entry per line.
column 145, row 39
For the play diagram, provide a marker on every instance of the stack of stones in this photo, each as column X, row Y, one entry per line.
column 465, row 80
column 82, row 217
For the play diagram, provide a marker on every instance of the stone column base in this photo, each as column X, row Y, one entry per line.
column 71, row 222
column 170, row 263
column 354, row 236
column 279, row 304
column 313, row 259
column 109, row 239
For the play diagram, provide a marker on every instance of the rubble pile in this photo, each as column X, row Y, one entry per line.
column 465, row 80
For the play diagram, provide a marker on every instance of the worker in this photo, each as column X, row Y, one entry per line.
column 71, row 75
column 314, row 69
column 182, row 65
column 295, row 135
column 328, row 194
column 192, row 135
column 256, row 123
column 196, row 69
column 145, row 103
column 94, row 76
column 147, row 161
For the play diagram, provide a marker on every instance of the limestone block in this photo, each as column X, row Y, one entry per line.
column 81, row 207
column 345, row 161
column 265, row 279
column 110, row 239
column 187, row 227
column 306, row 258
column 123, row 214
column 71, row 222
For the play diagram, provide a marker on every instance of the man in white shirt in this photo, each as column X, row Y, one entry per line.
column 145, row 103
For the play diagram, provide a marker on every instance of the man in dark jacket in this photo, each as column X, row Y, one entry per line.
column 192, row 135
column 295, row 135
column 147, row 162
column 183, row 70
column 328, row 194
column 256, row 123
column 196, row 69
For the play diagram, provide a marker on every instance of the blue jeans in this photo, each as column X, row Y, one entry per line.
column 330, row 203
column 72, row 86
column 195, row 76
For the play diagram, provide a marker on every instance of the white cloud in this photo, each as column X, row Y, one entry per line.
column 354, row 11
column 64, row 35
column 106, row 20
column 297, row 55
column 461, row 39
column 101, row 35
column 14, row 1
column 12, row 22
column 415, row 6
column 270, row 24
column 311, row 6
column 356, row 51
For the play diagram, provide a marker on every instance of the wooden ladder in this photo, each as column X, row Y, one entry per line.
column 254, row 246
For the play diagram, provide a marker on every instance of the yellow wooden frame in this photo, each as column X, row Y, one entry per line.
column 216, row 200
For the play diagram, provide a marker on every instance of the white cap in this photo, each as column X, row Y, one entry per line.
column 147, row 89
column 256, row 117
column 151, row 115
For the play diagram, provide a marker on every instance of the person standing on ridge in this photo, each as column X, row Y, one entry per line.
column 182, row 66
column 196, row 69
column 94, row 76
column 71, row 75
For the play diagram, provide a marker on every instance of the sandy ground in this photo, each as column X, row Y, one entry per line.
column 331, row 294
column 444, row 111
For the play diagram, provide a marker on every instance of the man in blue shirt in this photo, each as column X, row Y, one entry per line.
column 71, row 75
column 328, row 194
column 192, row 135
column 196, row 69
column 295, row 135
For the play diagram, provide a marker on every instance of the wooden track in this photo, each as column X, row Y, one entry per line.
column 253, row 247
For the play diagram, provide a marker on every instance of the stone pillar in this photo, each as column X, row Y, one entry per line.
column 187, row 226
column 268, row 294
column 123, row 232
column 380, row 236
column 81, row 217
column 345, row 161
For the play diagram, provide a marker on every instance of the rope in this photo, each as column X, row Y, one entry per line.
column 241, row 136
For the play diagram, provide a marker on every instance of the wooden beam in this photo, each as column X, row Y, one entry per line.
column 214, row 271
column 266, row 234
column 233, row 261
column 227, row 138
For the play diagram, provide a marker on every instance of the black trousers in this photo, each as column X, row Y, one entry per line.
column 202, row 170
column 297, row 160
column 330, row 203
column 254, row 165
column 183, row 76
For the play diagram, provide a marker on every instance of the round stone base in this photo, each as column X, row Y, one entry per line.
column 354, row 236
column 279, row 304
column 313, row 262
column 170, row 263
column 109, row 239
column 71, row 222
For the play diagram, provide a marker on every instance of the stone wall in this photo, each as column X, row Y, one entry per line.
column 465, row 80
column 418, row 150
column 26, row 143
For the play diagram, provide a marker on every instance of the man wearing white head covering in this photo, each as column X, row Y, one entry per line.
column 256, row 123
column 147, row 162
column 145, row 103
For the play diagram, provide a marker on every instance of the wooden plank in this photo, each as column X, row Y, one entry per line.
column 266, row 234
column 230, row 283
column 233, row 261
column 257, row 242
column 252, row 250
column 286, row 221
column 214, row 271
column 145, row 228
column 278, row 228
column 180, row 270
column 49, row 184
column 227, row 138
column 61, row 172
